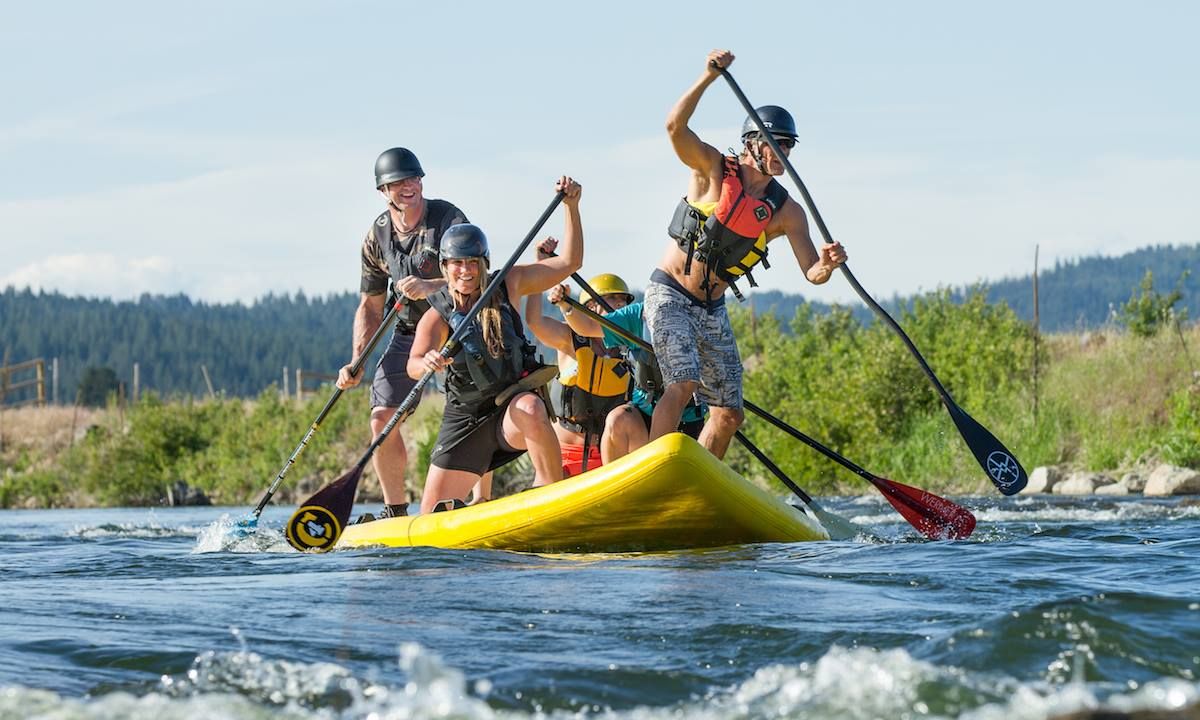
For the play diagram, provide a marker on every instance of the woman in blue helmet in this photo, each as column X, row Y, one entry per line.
column 478, row 433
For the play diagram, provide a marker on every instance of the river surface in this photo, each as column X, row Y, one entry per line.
column 1054, row 606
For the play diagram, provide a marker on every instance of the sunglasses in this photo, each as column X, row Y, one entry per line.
column 786, row 142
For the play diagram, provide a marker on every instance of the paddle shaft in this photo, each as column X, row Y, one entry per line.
column 463, row 328
column 388, row 318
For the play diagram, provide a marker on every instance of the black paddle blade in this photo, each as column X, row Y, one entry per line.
column 934, row 517
column 1000, row 465
column 318, row 524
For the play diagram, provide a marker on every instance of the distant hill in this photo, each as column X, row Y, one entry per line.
column 1073, row 295
column 244, row 348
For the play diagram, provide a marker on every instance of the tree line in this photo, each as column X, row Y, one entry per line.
column 245, row 347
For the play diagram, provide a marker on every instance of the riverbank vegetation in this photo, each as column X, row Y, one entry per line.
column 1105, row 400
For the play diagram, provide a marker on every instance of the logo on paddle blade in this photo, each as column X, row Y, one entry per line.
column 1003, row 468
column 313, row 528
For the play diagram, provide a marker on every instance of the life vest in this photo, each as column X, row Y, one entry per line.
column 475, row 378
column 729, row 236
column 599, row 384
column 418, row 255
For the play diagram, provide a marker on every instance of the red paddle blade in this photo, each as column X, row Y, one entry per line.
column 934, row 517
column 318, row 524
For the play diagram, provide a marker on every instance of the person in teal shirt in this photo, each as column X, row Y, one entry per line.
column 627, row 427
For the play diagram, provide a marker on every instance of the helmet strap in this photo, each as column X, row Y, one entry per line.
column 756, row 155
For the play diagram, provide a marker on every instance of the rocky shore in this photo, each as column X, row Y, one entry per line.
column 1160, row 481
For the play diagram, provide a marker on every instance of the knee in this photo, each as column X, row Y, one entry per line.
column 727, row 420
column 528, row 409
column 619, row 419
column 683, row 389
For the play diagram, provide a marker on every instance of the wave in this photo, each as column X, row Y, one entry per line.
column 843, row 683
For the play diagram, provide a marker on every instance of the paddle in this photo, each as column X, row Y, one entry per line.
column 319, row 522
column 839, row 528
column 933, row 516
column 247, row 525
column 1001, row 465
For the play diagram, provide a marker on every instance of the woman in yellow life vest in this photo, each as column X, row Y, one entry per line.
column 595, row 379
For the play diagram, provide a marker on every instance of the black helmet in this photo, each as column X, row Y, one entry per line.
column 463, row 240
column 775, row 118
column 394, row 165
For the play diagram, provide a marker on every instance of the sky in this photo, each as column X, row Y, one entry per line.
column 225, row 150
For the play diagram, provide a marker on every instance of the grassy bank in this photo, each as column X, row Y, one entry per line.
column 1101, row 401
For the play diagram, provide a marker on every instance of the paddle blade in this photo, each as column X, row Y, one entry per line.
column 1000, row 465
column 318, row 524
column 934, row 517
column 839, row 528
column 245, row 526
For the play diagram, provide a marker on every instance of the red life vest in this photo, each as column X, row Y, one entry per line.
column 728, row 236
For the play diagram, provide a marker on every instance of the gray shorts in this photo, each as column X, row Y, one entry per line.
column 392, row 383
column 694, row 343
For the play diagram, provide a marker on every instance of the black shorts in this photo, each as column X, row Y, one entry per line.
column 691, row 428
column 472, row 444
column 392, row 383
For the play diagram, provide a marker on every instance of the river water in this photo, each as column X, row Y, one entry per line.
column 1054, row 606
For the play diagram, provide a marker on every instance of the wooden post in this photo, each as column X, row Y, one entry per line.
column 207, row 381
column 1037, row 329
column 286, row 392
column 137, row 382
column 4, row 377
column 299, row 385
column 41, row 382
column 54, row 381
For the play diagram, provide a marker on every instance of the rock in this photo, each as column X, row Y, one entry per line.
column 179, row 493
column 1172, row 480
column 1082, row 483
column 1135, row 482
column 1042, row 480
column 1117, row 488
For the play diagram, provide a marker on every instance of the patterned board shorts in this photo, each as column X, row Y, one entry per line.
column 695, row 344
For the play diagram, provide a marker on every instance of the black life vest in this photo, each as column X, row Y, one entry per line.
column 602, row 383
column 418, row 255
column 728, row 236
column 475, row 378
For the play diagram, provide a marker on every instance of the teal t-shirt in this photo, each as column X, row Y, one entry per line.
column 629, row 319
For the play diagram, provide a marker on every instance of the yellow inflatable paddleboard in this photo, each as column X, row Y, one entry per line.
column 670, row 495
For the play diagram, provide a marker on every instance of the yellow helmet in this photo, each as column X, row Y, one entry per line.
column 606, row 284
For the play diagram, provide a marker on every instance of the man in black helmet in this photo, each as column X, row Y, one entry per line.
column 402, row 246
column 720, row 230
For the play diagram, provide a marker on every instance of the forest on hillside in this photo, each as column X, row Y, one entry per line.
column 245, row 348
column 1073, row 295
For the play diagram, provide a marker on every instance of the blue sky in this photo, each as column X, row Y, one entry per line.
column 225, row 149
